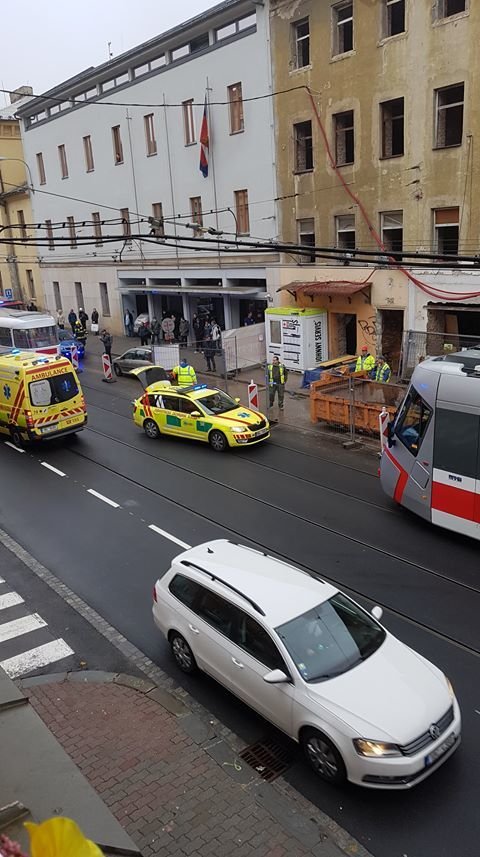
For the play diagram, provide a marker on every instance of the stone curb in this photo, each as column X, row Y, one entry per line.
column 212, row 736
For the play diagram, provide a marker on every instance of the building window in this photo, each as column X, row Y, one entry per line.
column 30, row 283
column 392, row 232
column 49, row 228
column 117, row 145
column 345, row 230
column 342, row 28
column 21, row 224
column 344, row 138
column 126, row 227
column 97, row 228
column 447, row 8
column 62, row 154
column 303, row 140
column 306, row 237
column 41, row 168
column 392, row 117
column 71, row 231
column 88, row 152
column 157, row 213
column 79, row 296
column 394, row 17
column 449, row 111
column 188, row 123
column 150, row 134
column 56, row 295
column 235, row 101
column 301, row 43
column 242, row 214
column 104, row 299
column 446, row 223
column 196, row 210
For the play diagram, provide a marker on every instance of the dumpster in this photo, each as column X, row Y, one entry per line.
column 339, row 402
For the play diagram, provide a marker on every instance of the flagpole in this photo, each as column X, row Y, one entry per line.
column 212, row 159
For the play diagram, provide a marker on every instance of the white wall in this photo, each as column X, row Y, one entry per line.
column 241, row 161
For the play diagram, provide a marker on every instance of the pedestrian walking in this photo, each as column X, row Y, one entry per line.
column 365, row 361
column 183, row 330
column 198, row 327
column 209, row 348
column 156, row 331
column 94, row 324
column 107, row 340
column 185, row 374
column 83, row 317
column 60, row 319
column 144, row 333
column 128, row 319
column 382, row 371
column 216, row 335
column 72, row 320
column 277, row 375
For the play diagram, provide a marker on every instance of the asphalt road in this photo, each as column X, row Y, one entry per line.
column 319, row 507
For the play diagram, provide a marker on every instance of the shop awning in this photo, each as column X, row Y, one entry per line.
column 328, row 287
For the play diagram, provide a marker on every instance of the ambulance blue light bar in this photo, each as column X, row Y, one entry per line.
column 199, row 387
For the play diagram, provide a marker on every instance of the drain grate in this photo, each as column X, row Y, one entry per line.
column 267, row 758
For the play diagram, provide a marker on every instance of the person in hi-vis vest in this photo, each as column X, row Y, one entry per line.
column 277, row 375
column 185, row 374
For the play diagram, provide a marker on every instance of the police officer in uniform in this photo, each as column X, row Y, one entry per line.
column 185, row 374
column 277, row 375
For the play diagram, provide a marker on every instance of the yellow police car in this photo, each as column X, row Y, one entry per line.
column 200, row 412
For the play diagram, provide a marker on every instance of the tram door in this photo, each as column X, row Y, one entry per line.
column 456, row 481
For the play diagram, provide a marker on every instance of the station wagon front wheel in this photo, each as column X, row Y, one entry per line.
column 151, row 429
column 218, row 441
column 323, row 757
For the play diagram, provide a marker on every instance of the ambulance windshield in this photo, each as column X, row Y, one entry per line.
column 51, row 391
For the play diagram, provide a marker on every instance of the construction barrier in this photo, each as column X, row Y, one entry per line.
column 383, row 419
column 253, row 395
column 107, row 369
column 74, row 357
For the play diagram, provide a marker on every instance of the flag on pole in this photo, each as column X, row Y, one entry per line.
column 204, row 142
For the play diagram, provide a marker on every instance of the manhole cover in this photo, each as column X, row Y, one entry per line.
column 267, row 758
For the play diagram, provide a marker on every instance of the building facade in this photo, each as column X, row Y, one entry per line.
column 375, row 134
column 121, row 143
column 20, row 278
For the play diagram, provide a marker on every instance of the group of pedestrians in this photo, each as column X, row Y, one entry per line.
column 171, row 328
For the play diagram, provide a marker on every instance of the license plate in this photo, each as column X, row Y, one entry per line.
column 47, row 429
column 261, row 432
column 440, row 750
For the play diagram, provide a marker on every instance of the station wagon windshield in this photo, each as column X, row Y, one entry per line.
column 330, row 639
column 217, row 403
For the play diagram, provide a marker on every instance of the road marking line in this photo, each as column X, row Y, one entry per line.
column 17, row 627
column 168, row 536
column 52, row 468
column 12, row 446
column 10, row 599
column 102, row 497
column 40, row 656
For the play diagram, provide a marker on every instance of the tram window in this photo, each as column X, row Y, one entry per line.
column 412, row 421
column 456, row 442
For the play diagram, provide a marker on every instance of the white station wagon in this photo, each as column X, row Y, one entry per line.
column 364, row 706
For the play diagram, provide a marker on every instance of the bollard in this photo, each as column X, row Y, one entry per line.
column 107, row 369
column 253, row 395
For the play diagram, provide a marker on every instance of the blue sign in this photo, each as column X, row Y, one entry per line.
column 8, row 294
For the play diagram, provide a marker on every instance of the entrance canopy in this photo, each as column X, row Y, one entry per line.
column 345, row 288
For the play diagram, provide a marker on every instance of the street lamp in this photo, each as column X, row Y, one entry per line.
column 21, row 161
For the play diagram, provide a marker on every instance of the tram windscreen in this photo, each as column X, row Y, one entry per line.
column 36, row 337
column 412, row 421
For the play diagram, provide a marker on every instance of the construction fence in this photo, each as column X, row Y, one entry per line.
column 417, row 345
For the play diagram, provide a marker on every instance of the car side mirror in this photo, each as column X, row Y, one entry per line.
column 377, row 612
column 276, row 677
column 195, row 414
column 390, row 435
column 237, row 400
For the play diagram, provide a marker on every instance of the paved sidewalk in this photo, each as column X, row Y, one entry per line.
column 176, row 787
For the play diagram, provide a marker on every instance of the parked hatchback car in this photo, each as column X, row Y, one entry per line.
column 134, row 358
column 364, row 706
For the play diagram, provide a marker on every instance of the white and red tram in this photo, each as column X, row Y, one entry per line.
column 431, row 464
